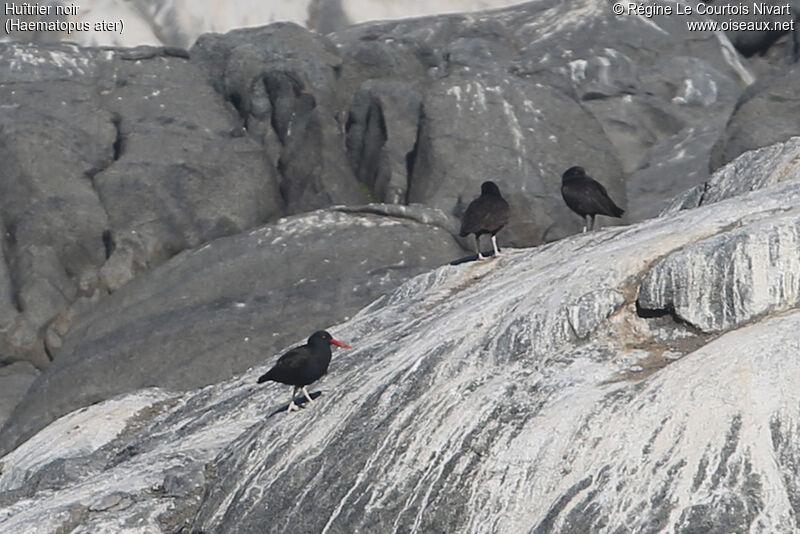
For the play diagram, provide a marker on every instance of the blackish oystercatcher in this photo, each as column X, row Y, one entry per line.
column 586, row 196
column 487, row 214
column 303, row 365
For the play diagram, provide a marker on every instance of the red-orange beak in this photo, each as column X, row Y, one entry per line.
column 340, row 344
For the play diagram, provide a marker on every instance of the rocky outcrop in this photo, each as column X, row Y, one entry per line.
column 753, row 170
column 746, row 272
column 729, row 279
column 116, row 160
column 110, row 169
column 15, row 379
column 586, row 410
column 220, row 309
column 282, row 81
column 766, row 113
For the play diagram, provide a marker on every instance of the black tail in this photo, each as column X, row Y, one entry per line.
column 617, row 210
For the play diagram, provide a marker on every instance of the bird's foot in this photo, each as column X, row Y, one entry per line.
column 481, row 257
column 292, row 407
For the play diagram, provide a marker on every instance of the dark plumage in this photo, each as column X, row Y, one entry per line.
column 303, row 365
column 586, row 196
column 487, row 214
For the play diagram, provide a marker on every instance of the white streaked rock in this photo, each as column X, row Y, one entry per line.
column 729, row 278
column 523, row 394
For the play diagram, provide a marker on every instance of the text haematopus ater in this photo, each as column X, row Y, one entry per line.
column 487, row 214
column 303, row 365
column 586, row 196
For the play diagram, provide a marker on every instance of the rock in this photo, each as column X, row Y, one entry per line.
column 52, row 217
column 15, row 379
column 765, row 114
column 244, row 296
column 755, row 170
column 484, row 88
column 322, row 177
column 751, row 171
column 679, row 159
column 779, row 57
column 254, row 69
column 114, row 501
column 727, row 280
column 8, row 308
column 381, row 157
column 652, row 92
column 78, row 441
column 129, row 170
column 651, row 116
column 170, row 149
column 583, row 409
column 165, row 185
column 136, row 253
column 688, row 199
column 497, row 129
column 180, row 481
column 284, row 89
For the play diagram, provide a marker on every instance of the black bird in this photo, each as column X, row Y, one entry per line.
column 487, row 214
column 303, row 365
column 586, row 196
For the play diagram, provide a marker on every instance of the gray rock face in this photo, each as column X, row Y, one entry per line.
column 52, row 218
column 282, row 80
column 152, row 151
column 753, row 170
column 458, row 150
column 471, row 105
column 113, row 167
column 381, row 156
column 155, row 152
column 219, row 309
column 681, row 158
column 650, row 111
column 727, row 280
column 766, row 113
column 525, row 394
column 733, row 277
column 15, row 379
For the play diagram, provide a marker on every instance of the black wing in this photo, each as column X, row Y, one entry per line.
column 485, row 214
column 287, row 365
column 589, row 197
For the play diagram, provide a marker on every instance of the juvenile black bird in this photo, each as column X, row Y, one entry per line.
column 303, row 365
column 586, row 196
column 487, row 214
